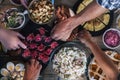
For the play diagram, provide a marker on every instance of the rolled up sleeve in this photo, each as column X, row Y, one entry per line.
column 109, row 4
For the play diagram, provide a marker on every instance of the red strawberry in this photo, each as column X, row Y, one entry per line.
column 54, row 44
column 33, row 46
column 38, row 38
column 26, row 53
column 43, row 57
column 30, row 37
column 42, row 31
column 41, row 47
column 48, row 51
column 48, row 39
column 34, row 54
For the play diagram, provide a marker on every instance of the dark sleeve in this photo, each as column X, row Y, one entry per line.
column 119, row 77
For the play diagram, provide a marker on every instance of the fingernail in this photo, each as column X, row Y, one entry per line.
column 25, row 47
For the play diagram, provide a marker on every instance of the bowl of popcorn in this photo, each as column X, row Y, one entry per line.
column 69, row 61
column 41, row 11
column 111, row 38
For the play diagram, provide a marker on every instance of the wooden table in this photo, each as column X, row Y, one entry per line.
column 48, row 74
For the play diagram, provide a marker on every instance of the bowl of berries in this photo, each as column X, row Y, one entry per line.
column 111, row 38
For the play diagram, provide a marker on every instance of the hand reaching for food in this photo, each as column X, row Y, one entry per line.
column 32, row 70
column 64, row 26
column 85, row 37
column 62, row 30
column 10, row 40
column 62, row 13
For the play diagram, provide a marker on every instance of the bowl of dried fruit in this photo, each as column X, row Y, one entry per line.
column 41, row 11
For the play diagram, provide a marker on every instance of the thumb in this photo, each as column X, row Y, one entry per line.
column 22, row 45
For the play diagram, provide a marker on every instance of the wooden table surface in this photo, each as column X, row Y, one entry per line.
column 48, row 74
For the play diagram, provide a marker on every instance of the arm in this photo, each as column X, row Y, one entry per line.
column 103, row 60
column 92, row 11
column 32, row 70
column 63, row 29
column 10, row 40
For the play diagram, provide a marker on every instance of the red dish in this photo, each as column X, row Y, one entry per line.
column 39, row 45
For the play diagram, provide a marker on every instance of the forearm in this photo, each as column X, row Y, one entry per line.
column 104, row 61
column 92, row 11
column 1, row 33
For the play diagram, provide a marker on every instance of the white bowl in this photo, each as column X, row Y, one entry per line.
column 108, row 44
column 21, row 26
column 33, row 20
column 19, row 13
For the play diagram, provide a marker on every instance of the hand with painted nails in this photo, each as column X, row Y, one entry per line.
column 10, row 39
column 33, row 69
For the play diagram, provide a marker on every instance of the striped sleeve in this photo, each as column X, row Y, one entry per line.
column 109, row 4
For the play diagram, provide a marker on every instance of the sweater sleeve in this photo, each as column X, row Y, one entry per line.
column 109, row 4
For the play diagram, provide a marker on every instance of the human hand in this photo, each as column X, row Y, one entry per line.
column 24, row 3
column 85, row 37
column 32, row 70
column 63, row 30
column 10, row 40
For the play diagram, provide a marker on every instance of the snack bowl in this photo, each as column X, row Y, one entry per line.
column 12, row 70
column 69, row 61
column 111, row 38
column 13, row 19
column 41, row 11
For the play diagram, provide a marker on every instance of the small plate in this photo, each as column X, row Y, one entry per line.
column 14, row 68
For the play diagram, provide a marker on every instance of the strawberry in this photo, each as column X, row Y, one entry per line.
column 30, row 37
column 38, row 38
column 32, row 46
column 34, row 54
column 48, row 39
column 41, row 47
column 26, row 53
column 48, row 51
column 42, row 31
column 44, row 58
column 54, row 44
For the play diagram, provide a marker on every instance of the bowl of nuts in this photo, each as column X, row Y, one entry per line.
column 41, row 11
